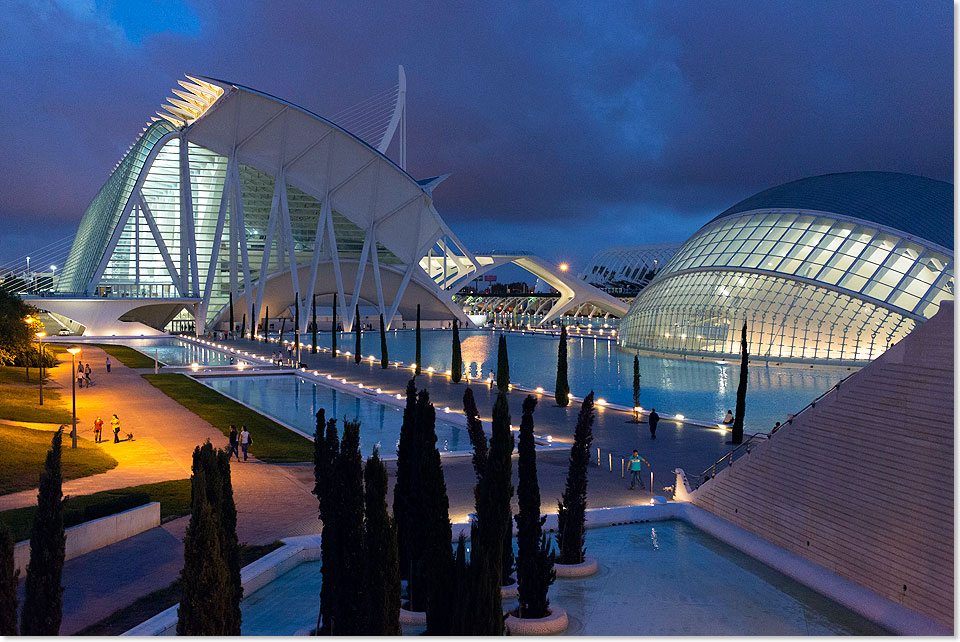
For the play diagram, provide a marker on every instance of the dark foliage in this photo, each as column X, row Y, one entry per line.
column 266, row 324
column 243, row 326
column 333, row 329
column 382, row 579
column 741, row 389
column 535, row 558
column 327, row 490
column 562, row 389
column 233, row 327
column 503, row 365
column 408, row 467
column 9, row 575
column 358, row 330
column 572, row 508
column 464, row 616
column 296, row 328
column 313, row 329
column 456, row 361
column 384, row 359
column 43, row 593
column 351, row 613
column 636, row 387
column 477, row 437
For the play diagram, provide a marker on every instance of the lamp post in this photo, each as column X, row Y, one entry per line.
column 40, row 336
column 73, row 354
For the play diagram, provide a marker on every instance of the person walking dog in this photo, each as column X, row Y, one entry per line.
column 636, row 465
column 115, row 422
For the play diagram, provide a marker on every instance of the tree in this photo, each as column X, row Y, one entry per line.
column 492, row 552
column 327, row 490
column 477, row 437
column 417, row 356
column 380, row 540
column 408, row 466
column 358, row 329
column 333, row 329
column 9, row 576
column 562, row 392
column 243, row 327
column 266, row 326
column 313, row 336
column 464, row 614
column 456, row 362
column 535, row 557
column 572, row 508
column 43, row 593
column 503, row 365
column 283, row 325
column 384, row 360
column 351, row 612
column 209, row 602
column 233, row 327
column 636, row 389
column 741, row 389
column 296, row 329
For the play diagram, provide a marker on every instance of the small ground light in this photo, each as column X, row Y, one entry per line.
column 446, row 409
column 413, row 366
column 343, row 381
column 680, row 417
column 359, row 385
column 448, row 372
column 539, row 389
column 378, row 391
column 601, row 402
column 399, row 396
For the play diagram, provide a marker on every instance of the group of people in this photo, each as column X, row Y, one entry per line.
column 114, row 424
column 278, row 356
column 241, row 440
column 84, row 370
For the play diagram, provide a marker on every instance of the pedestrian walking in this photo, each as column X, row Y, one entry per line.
column 115, row 422
column 653, row 419
column 245, row 441
column 234, row 441
column 98, row 428
column 635, row 466
column 86, row 374
column 79, row 378
column 108, row 365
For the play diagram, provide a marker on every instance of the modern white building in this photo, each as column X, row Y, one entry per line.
column 833, row 268
column 233, row 194
column 624, row 271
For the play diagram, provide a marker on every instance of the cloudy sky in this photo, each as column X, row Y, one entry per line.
column 567, row 127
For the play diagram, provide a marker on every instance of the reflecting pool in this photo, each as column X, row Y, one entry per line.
column 699, row 390
column 294, row 401
column 655, row 578
column 175, row 352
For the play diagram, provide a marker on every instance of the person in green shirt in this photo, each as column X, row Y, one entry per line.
column 634, row 466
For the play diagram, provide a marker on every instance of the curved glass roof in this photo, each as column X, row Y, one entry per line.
column 921, row 207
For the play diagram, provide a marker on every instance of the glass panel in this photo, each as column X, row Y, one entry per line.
column 852, row 282
column 877, row 290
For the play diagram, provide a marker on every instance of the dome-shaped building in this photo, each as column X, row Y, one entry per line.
column 833, row 268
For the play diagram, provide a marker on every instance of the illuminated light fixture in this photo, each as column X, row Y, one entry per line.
column 73, row 351
column 637, row 409
column 379, row 391
column 360, row 385
column 666, row 334
column 430, row 369
column 413, row 366
column 550, row 438
column 539, row 389
column 399, row 396
column 343, row 381
column 329, row 376
column 315, row 373
column 601, row 402
column 683, row 336
column 446, row 409
column 680, row 417
column 448, row 372
column 564, row 267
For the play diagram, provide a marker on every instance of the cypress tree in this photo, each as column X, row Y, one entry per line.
column 296, row 330
column 463, row 614
column 283, row 324
column 456, row 362
column 233, row 328
column 636, row 388
column 503, row 365
column 493, row 527
column 380, row 538
column 9, row 575
column 313, row 337
column 384, row 359
column 433, row 571
column 43, row 593
column 243, row 327
column 417, row 356
column 407, row 472
column 571, row 509
column 358, row 330
column 207, row 588
column 333, row 329
column 327, row 489
column 231, row 543
column 351, row 611
column 535, row 560
column 741, row 389
column 319, row 458
column 562, row 389
column 266, row 325
column 477, row 437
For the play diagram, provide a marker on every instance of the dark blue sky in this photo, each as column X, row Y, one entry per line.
column 567, row 126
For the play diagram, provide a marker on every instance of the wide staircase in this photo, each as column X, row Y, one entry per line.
column 862, row 482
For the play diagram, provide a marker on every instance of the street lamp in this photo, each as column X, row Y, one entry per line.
column 73, row 354
column 564, row 267
column 40, row 336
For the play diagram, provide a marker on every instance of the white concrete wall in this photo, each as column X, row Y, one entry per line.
column 98, row 533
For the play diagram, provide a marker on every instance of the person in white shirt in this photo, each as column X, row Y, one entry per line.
column 245, row 441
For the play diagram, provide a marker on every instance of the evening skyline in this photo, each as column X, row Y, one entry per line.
column 638, row 123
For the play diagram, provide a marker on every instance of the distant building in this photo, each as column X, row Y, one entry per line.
column 832, row 268
column 624, row 271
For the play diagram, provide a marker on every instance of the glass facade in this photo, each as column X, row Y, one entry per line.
column 808, row 285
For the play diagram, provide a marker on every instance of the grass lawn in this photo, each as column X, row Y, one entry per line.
column 174, row 498
column 20, row 399
column 124, row 619
column 24, row 451
column 272, row 443
column 127, row 356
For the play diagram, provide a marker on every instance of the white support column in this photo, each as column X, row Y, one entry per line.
column 361, row 268
column 400, row 290
column 234, row 229
column 242, row 233
column 376, row 269
column 161, row 245
column 335, row 259
column 317, row 247
column 201, row 318
column 291, row 248
column 188, row 238
column 267, row 249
